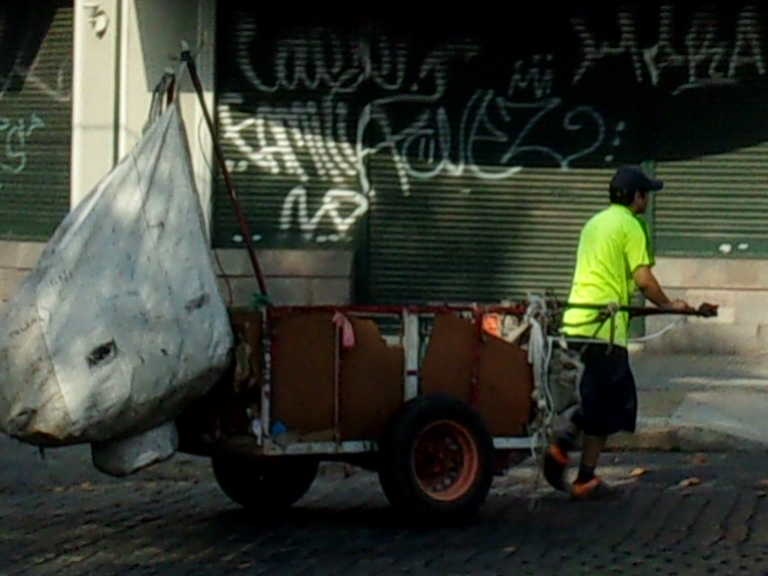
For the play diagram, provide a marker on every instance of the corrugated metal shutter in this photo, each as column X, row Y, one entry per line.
column 36, row 43
column 714, row 205
column 474, row 199
column 712, row 133
column 287, row 129
column 475, row 241
column 312, row 110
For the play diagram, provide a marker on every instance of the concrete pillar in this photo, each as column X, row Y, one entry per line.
column 94, row 93
column 151, row 35
column 122, row 48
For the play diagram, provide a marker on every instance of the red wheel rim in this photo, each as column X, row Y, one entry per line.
column 445, row 460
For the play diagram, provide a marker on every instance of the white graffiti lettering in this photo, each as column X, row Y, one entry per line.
column 406, row 118
column 747, row 50
column 301, row 141
column 275, row 138
column 492, row 132
column 59, row 89
column 340, row 65
column 592, row 53
column 16, row 135
column 302, row 65
column 332, row 207
column 536, row 76
column 57, row 84
column 704, row 55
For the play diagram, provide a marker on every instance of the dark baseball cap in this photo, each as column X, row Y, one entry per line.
column 633, row 178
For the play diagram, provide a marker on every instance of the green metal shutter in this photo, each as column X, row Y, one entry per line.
column 474, row 196
column 313, row 110
column 711, row 139
column 287, row 128
column 462, row 240
column 714, row 205
column 36, row 43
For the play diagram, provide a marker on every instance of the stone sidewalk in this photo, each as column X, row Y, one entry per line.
column 699, row 403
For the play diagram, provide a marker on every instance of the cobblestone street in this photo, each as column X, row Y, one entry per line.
column 60, row 516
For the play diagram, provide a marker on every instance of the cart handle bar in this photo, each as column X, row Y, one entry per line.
column 705, row 310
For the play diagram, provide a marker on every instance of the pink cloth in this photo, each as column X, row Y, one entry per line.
column 347, row 331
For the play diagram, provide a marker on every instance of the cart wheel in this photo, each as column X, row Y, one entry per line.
column 264, row 485
column 436, row 459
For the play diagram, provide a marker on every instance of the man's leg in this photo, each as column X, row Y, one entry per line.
column 591, row 448
column 588, row 485
column 556, row 459
column 609, row 404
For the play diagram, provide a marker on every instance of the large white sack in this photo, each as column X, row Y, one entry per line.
column 121, row 322
column 129, row 455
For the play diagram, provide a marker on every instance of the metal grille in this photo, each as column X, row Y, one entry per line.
column 494, row 241
column 714, row 205
column 35, row 117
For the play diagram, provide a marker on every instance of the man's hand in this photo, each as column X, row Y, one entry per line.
column 679, row 306
column 707, row 310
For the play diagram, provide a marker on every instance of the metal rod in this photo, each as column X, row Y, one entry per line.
column 170, row 90
column 411, row 364
column 336, row 381
column 267, row 351
column 706, row 310
column 186, row 56
column 396, row 310
column 477, row 350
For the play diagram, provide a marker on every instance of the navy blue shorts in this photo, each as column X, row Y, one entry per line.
column 608, row 394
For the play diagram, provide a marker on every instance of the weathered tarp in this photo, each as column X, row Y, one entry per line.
column 121, row 322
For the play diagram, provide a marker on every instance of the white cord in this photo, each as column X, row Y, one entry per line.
column 661, row 332
column 639, row 339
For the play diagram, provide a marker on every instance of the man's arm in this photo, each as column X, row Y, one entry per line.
column 651, row 289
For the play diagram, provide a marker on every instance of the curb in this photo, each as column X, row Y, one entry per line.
column 659, row 434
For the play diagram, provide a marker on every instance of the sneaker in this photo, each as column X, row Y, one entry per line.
column 594, row 489
column 555, row 463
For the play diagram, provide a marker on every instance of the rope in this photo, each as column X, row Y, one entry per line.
column 639, row 339
column 661, row 332
column 539, row 355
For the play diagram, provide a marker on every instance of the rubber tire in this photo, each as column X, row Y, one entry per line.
column 396, row 471
column 264, row 485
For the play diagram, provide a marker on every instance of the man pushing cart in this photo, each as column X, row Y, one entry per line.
column 614, row 258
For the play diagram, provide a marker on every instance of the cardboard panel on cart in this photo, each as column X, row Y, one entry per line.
column 458, row 352
column 303, row 351
column 371, row 387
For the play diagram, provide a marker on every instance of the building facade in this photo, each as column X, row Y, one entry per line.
column 438, row 157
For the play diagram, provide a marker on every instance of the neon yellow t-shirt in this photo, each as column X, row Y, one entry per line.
column 613, row 244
